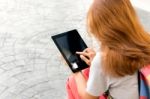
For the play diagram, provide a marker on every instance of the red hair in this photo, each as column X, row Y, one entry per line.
column 126, row 44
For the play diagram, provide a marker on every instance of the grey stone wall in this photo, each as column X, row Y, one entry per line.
column 30, row 64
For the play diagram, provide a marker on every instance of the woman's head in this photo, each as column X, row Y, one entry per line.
column 115, row 24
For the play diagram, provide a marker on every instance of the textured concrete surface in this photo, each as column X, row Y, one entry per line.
column 30, row 64
column 142, row 4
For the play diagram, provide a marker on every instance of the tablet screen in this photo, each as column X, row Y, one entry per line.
column 68, row 43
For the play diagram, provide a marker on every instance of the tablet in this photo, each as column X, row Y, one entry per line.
column 68, row 43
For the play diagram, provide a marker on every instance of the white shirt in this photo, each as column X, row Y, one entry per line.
column 119, row 88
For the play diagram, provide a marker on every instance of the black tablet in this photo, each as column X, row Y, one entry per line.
column 68, row 43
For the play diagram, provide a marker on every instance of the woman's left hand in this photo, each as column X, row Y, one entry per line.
column 87, row 55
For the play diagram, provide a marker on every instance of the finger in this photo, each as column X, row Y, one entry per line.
column 86, row 60
column 88, row 50
column 83, row 53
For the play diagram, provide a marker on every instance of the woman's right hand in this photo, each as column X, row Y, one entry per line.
column 87, row 55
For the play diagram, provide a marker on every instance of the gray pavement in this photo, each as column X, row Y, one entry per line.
column 30, row 64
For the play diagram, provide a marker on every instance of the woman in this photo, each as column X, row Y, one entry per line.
column 125, row 48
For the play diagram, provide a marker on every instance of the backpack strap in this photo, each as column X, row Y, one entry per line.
column 139, row 82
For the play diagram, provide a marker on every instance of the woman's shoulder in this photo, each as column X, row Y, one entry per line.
column 96, row 62
column 96, row 65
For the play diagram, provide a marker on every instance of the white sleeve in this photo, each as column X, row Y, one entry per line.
column 96, row 84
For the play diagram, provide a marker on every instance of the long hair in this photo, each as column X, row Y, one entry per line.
column 126, row 44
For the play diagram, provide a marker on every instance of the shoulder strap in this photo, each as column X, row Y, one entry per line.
column 139, row 82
